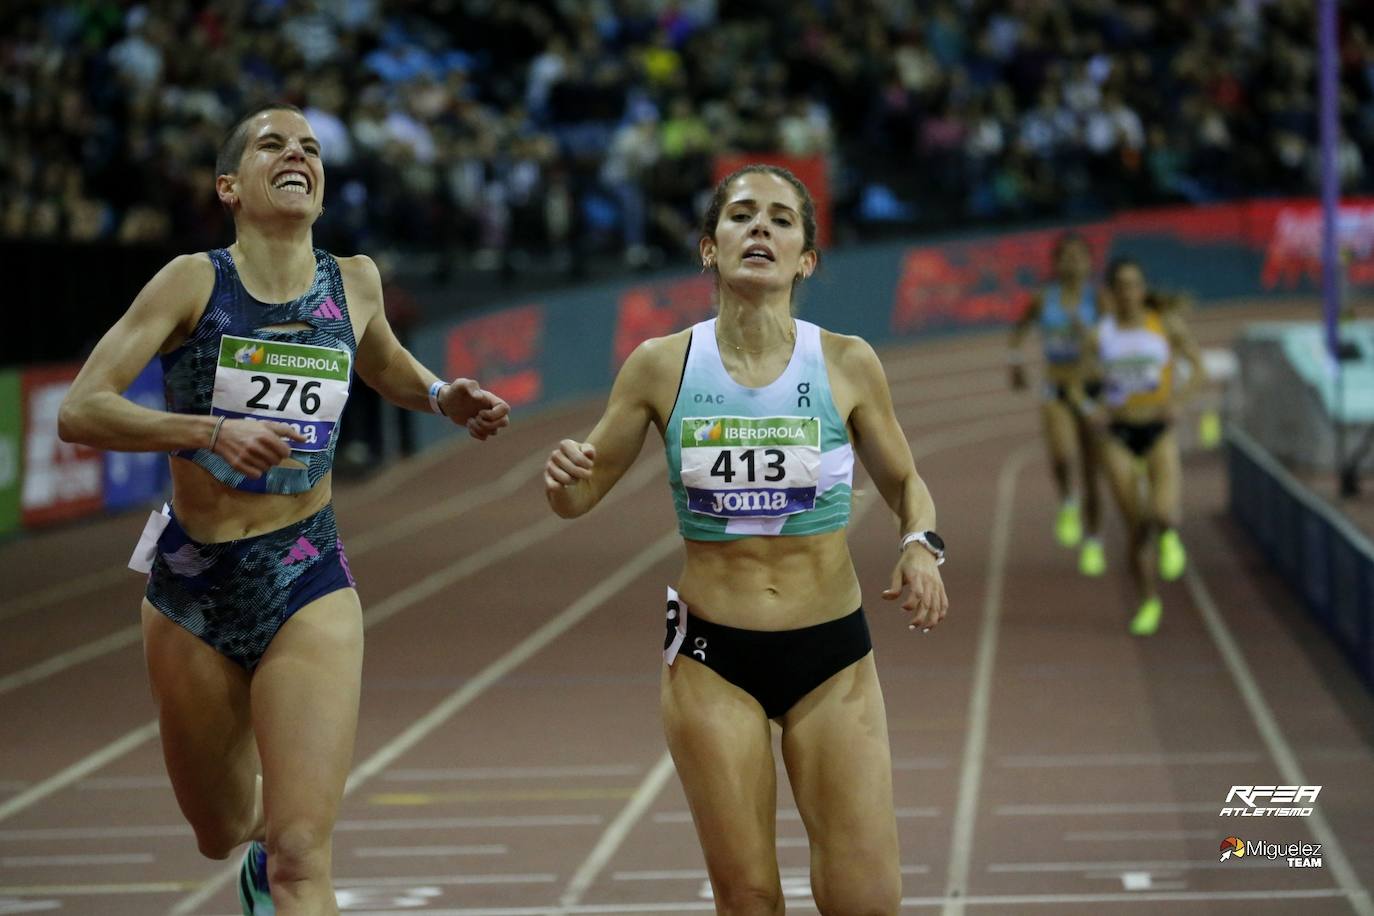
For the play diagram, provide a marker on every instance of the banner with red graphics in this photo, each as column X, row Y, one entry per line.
column 653, row 310
column 61, row 481
column 1268, row 246
column 502, row 351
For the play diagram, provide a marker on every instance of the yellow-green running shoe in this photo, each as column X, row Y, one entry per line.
column 1067, row 526
column 1209, row 429
column 1092, row 559
column 1173, row 559
column 254, row 895
column 1146, row 620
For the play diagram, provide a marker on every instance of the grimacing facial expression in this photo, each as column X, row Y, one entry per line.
column 759, row 236
column 1128, row 284
column 280, row 172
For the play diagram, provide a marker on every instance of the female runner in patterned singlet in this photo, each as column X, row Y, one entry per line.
column 252, row 629
column 1064, row 314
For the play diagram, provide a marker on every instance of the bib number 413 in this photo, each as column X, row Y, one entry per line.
column 773, row 468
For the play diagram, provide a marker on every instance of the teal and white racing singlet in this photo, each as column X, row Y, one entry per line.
column 757, row 461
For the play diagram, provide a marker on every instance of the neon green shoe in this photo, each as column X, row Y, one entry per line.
column 1146, row 620
column 1067, row 526
column 1092, row 559
column 1209, row 429
column 1173, row 559
column 254, row 895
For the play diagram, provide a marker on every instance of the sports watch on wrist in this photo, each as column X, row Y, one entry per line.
column 929, row 540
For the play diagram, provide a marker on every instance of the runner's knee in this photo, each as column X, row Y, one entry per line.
column 297, row 851
column 745, row 895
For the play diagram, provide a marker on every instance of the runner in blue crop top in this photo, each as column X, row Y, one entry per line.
column 248, row 585
column 762, row 416
column 1064, row 313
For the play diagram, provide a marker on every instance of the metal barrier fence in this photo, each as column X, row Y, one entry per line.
column 1315, row 549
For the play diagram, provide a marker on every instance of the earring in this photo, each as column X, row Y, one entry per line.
column 707, row 263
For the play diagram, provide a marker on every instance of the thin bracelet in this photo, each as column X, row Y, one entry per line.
column 434, row 404
column 214, row 436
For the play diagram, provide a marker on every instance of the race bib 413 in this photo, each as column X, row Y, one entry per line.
column 751, row 467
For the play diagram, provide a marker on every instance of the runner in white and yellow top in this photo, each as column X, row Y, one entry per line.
column 762, row 415
column 1138, row 346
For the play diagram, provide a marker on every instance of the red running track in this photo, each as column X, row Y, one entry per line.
column 509, row 756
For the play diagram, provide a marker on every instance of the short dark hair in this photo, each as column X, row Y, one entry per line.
column 808, row 206
column 231, row 150
column 1118, row 265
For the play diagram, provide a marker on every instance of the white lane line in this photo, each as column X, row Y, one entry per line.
column 699, row 874
column 64, row 591
column 1009, row 900
column 453, row 880
column 911, row 764
column 1116, row 868
column 1113, row 809
column 789, row 814
column 416, row 852
column 125, row 636
column 980, row 698
column 616, row 831
column 132, row 858
column 1133, row 836
column 469, row 823
column 1333, row 856
column 123, row 783
column 447, row 510
column 456, row 774
column 77, row 771
column 379, row 825
column 1199, row 758
column 420, row 729
column 103, row 890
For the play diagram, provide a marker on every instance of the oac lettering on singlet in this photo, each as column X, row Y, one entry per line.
column 708, row 399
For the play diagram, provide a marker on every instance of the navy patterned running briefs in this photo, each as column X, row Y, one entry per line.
column 236, row 595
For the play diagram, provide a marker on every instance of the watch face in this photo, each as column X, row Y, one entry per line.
column 934, row 540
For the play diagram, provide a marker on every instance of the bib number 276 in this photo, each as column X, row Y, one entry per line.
column 309, row 399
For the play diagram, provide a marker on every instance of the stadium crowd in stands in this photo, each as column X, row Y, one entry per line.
column 552, row 128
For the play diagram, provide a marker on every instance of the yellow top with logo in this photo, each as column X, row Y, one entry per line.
column 1137, row 363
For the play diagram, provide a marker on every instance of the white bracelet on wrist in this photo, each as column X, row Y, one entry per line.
column 434, row 397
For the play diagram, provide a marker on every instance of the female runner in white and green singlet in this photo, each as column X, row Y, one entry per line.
column 762, row 415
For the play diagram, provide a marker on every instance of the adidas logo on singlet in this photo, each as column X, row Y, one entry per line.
column 328, row 310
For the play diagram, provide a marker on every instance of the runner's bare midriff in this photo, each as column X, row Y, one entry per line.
column 771, row 583
column 211, row 512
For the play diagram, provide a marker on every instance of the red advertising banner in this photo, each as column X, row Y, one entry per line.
column 657, row 309
column 61, row 480
column 811, row 170
column 992, row 279
column 501, row 351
